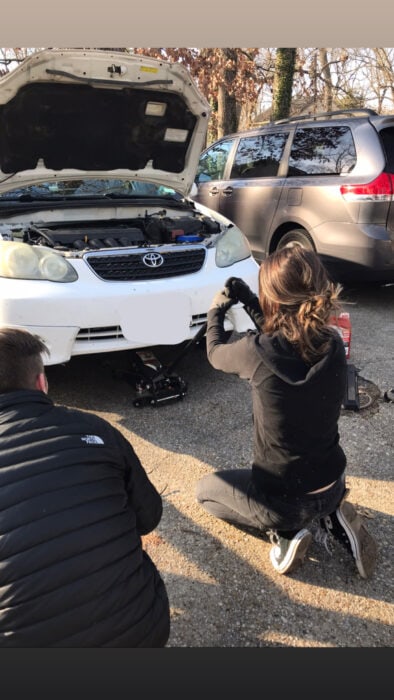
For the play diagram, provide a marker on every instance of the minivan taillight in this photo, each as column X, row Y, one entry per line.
column 379, row 190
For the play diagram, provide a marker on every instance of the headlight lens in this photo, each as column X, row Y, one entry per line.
column 22, row 261
column 231, row 247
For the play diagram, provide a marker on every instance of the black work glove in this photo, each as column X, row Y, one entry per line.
column 238, row 290
column 221, row 300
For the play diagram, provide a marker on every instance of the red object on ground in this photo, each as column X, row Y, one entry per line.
column 343, row 325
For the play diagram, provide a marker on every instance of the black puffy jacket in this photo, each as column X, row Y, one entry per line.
column 74, row 502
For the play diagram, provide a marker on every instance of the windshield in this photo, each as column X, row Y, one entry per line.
column 96, row 189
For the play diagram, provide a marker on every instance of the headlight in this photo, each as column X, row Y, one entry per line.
column 22, row 261
column 231, row 247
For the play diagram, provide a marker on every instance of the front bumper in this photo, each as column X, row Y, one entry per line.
column 92, row 316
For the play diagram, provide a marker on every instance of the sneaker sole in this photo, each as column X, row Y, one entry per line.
column 363, row 546
column 296, row 555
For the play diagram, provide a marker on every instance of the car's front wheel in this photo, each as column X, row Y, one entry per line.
column 297, row 236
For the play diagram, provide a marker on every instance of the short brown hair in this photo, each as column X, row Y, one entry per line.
column 297, row 299
column 20, row 359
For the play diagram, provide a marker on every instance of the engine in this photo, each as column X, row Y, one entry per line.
column 141, row 231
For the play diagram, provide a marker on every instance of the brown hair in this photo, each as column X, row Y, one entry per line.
column 297, row 299
column 20, row 359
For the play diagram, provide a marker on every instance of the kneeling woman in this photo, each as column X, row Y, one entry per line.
column 296, row 366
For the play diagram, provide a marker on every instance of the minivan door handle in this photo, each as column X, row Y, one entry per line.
column 227, row 191
column 214, row 190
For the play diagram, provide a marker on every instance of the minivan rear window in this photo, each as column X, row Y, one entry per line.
column 326, row 150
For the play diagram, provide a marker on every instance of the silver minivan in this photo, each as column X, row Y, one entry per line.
column 324, row 181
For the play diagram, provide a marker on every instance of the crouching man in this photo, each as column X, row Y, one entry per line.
column 74, row 502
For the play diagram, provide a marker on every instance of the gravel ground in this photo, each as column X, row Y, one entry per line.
column 223, row 591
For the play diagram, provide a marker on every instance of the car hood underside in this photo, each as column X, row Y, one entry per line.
column 95, row 112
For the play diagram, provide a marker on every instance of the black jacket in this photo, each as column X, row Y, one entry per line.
column 296, row 407
column 74, row 501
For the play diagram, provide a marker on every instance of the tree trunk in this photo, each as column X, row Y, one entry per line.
column 326, row 74
column 227, row 105
column 283, row 83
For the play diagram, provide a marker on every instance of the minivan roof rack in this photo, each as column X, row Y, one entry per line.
column 356, row 111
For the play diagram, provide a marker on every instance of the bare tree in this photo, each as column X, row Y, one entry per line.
column 385, row 72
column 327, row 80
column 9, row 58
column 358, row 77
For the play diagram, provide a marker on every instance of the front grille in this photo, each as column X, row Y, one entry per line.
column 129, row 267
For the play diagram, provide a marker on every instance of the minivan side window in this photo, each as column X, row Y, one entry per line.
column 213, row 162
column 326, row 150
column 258, row 156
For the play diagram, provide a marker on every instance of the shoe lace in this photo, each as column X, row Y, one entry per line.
column 322, row 533
column 273, row 536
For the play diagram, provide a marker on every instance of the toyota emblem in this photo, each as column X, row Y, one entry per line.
column 153, row 259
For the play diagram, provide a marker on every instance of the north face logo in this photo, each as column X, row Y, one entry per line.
column 92, row 440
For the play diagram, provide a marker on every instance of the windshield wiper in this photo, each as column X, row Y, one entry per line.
column 138, row 195
column 33, row 198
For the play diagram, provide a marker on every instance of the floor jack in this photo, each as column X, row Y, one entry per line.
column 156, row 384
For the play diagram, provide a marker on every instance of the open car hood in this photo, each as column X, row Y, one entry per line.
column 69, row 113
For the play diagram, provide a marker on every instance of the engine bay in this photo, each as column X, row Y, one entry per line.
column 81, row 236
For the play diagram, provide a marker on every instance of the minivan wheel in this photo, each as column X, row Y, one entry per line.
column 297, row 236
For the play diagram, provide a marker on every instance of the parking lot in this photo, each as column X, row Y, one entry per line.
column 223, row 591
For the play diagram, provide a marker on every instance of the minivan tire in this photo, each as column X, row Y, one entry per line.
column 296, row 236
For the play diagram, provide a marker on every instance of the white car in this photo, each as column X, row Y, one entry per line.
column 101, row 248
